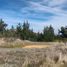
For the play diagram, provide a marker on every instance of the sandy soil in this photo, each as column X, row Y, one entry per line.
column 37, row 46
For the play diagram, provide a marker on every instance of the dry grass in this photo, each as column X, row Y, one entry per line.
column 18, row 53
column 33, row 57
column 17, row 43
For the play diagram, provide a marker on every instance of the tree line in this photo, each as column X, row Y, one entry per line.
column 24, row 32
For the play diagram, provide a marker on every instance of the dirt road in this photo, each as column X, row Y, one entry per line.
column 36, row 46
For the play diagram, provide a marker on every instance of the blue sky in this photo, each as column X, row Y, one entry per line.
column 39, row 13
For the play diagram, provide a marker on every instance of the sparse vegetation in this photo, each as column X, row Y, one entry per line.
column 22, row 47
column 34, row 57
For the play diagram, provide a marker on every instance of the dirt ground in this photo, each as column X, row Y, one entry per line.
column 37, row 46
column 56, row 56
column 20, row 53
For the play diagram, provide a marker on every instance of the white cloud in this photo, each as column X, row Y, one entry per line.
column 40, row 7
column 54, row 7
column 56, row 22
column 56, row 2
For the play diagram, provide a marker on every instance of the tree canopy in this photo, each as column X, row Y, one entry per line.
column 48, row 33
column 63, row 32
column 23, row 31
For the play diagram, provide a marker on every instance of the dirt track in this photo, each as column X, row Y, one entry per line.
column 37, row 46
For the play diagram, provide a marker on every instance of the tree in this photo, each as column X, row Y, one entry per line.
column 39, row 36
column 2, row 27
column 32, row 35
column 12, row 31
column 26, row 25
column 19, row 30
column 63, row 32
column 25, row 31
column 48, row 33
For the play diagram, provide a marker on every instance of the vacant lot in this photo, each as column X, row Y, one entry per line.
column 32, row 54
column 56, row 56
column 17, row 43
